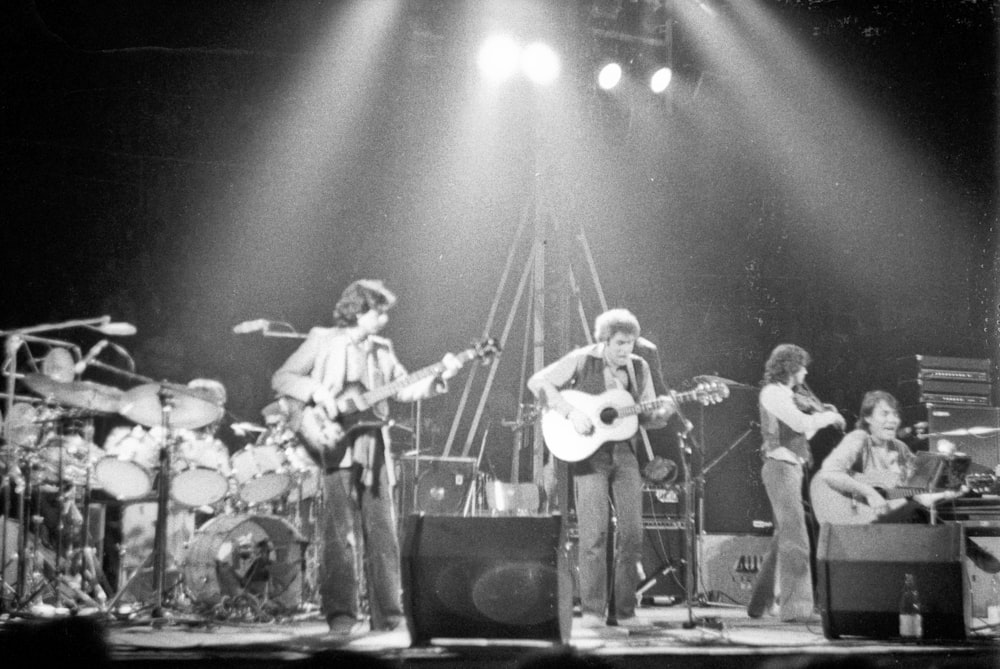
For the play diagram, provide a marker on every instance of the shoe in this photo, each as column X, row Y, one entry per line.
column 982, row 558
column 393, row 624
column 773, row 611
column 591, row 621
column 634, row 622
column 811, row 619
column 344, row 625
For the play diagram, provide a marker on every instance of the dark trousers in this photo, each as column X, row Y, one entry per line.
column 358, row 524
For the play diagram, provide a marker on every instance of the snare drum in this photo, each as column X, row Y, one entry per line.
column 261, row 473
column 128, row 470
column 200, row 470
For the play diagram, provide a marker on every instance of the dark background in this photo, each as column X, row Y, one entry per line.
column 820, row 172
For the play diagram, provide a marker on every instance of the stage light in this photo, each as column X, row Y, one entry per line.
column 609, row 76
column 540, row 63
column 498, row 58
column 660, row 80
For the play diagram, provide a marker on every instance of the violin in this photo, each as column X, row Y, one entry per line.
column 807, row 402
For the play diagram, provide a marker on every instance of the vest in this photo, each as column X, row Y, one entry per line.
column 776, row 433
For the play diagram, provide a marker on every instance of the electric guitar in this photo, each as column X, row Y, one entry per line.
column 615, row 416
column 326, row 440
column 837, row 508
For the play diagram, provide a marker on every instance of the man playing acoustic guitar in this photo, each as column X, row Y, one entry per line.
column 871, row 464
column 613, row 468
column 329, row 373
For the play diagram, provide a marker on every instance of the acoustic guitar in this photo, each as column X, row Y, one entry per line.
column 837, row 508
column 615, row 416
column 326, row 440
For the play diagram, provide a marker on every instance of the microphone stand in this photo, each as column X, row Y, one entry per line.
column 690, row 526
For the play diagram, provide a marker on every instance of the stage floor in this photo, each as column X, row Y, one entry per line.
column 724, row 637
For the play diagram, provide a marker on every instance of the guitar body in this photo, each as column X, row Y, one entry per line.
column 567, row 444
column 834, row 507
column 327, row 440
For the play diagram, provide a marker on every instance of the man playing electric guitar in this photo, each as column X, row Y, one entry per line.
column 613, row 468
column 357, row 506
column 846, row 490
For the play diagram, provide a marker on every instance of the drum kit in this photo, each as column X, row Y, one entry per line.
column 245, row 562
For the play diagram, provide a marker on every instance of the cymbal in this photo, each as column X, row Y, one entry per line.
column 80, row 394
column 187, row 409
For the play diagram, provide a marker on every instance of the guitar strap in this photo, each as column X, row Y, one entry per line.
column 635, row 391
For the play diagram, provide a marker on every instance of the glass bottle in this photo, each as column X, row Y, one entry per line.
column 910, row 622
column 993, row 608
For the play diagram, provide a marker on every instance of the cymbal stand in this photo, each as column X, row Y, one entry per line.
column 166, row 398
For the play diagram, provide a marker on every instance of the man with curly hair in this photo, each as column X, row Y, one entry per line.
column 357, row 507
column 611, row 472
column 786, row 430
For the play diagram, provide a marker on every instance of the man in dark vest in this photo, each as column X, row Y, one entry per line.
column 611, row 473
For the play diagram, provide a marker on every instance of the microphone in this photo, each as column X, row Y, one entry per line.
column 115, row 329
column 119, row 329
column 91, row 354
column 642, row 342
column 251, row 326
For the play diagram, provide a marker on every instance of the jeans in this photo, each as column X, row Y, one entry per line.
column 788, row 554
column 350, row 508
column 612, row 468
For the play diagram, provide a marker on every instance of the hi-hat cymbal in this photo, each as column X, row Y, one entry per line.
column 185, row 407
column 80, row 394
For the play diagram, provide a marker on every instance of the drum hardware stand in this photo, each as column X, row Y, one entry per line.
column 14, row 339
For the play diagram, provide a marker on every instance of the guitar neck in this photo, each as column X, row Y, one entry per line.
column 653, row 405
column 376, row 395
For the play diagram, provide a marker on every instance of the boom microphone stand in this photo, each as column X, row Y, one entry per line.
column 690, row 529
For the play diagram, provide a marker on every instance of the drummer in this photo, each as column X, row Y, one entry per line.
column 195, row 447
column 201, row 447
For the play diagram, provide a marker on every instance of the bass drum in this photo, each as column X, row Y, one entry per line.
column 260, row 555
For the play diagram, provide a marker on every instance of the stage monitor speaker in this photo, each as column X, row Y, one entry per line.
column 730, row 426
column 438, row 485
column 729, row 564
column 486, row 578
column 984, row 448
column 861, row 569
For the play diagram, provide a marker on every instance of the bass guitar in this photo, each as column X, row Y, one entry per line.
column 326, row 440
column 615, row 416
column 837, row 508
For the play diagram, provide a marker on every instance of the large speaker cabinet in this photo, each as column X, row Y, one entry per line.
column 486, row 578
column 734, row 500
column 983, row 445
column 431, row 484
column 861, row 569
column 729, row 564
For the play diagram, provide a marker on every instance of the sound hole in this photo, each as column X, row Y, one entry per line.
column 608, row 415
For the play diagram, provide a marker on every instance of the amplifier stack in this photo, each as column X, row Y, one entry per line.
column 950, row 399
column 925, row 379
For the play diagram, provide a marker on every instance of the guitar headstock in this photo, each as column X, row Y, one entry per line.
column 486, row 349
column 710, row 392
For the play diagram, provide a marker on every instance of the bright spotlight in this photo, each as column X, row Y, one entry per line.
column 609, row 76
column 540, row 63
column 498, row 58
column 660, row 80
